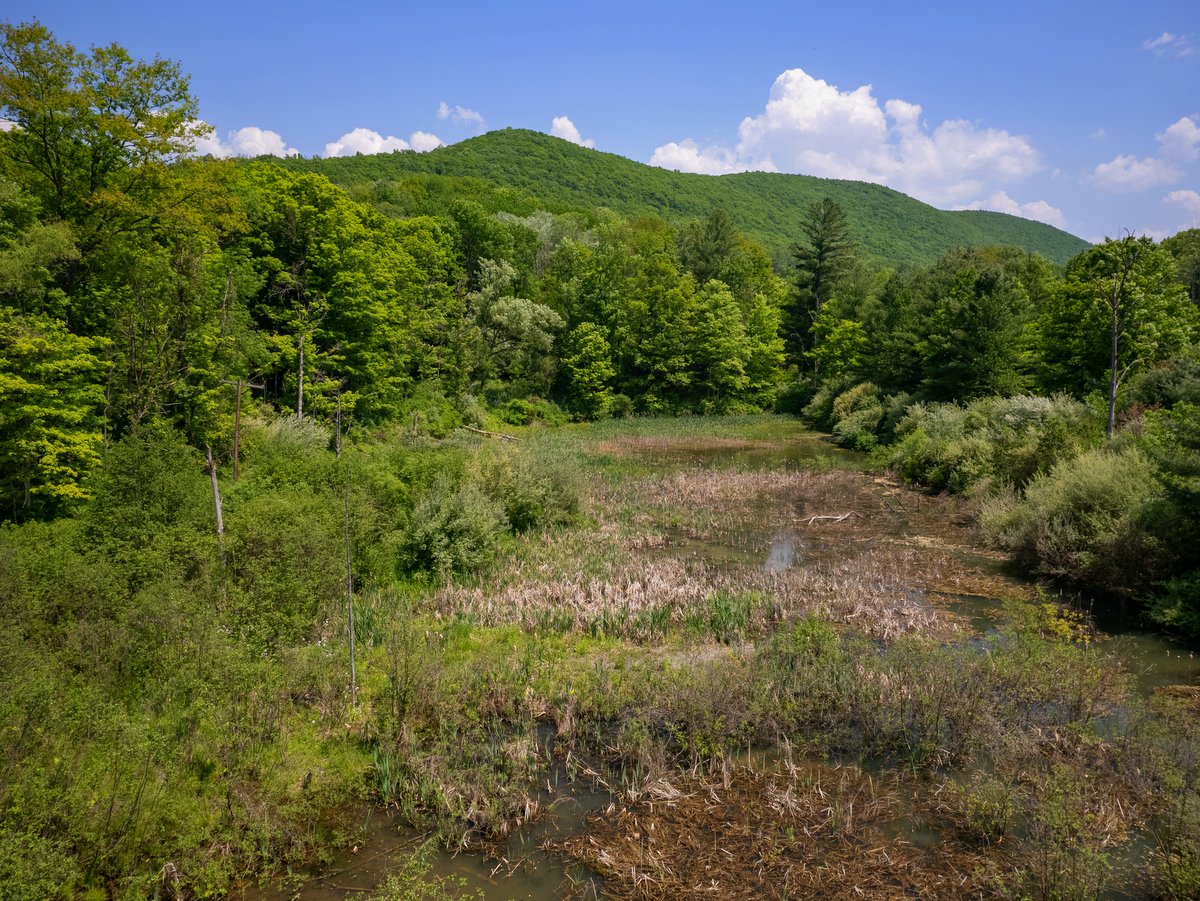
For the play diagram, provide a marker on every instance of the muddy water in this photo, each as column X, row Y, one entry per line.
column 770, row 543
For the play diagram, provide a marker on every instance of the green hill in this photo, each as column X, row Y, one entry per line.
column 892, row 228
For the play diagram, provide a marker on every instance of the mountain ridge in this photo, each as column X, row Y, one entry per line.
column 892, row 228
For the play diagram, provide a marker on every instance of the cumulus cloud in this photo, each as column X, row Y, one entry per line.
column 562, row 127
column 248, row 141
column 1189, row 200
column 1126, row 172
column 1170, row 44
column 7, row 124
column 688, row 156
column 460, row 115
column 1180, row 143
column 423, row 141
column 364, row 140
column 1040, row 210
column 810, row 126
column 1181, row 140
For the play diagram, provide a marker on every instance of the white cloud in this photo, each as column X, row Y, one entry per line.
column 1189, row 200
column 7, row 124
column 1181, row 140
column 688, row 156
column 562, row 127
column 1180, row 143
column 254, row 141
column 364, row 140
column 423, row 141
column 1040, row 210
column 1125, row 172
column 248, row 141
column 1166, row 43
column 460, row 115
column 1098, row 135
column 812, row 127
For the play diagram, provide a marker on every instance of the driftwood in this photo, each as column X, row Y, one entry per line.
column 833, row 518
column 492, row 434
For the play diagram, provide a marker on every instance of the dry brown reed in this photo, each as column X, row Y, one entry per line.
column 658, row 446
column 641, row 598
column 625, row 577
column 808, row 832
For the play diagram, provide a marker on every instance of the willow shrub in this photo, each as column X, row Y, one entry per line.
column 991, row 441
column 1085, row 520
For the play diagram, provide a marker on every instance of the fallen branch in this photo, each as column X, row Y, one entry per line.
column 492, row 434
column 832, row 517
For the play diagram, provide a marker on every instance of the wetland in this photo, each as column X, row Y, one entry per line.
column 753, row 667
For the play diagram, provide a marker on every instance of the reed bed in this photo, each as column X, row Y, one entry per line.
column 642, row 599
column 809, row 832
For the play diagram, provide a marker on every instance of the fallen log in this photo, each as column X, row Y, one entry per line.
column 832, row 517
column 492, row 434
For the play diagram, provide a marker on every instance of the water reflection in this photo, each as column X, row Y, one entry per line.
column 783, row 555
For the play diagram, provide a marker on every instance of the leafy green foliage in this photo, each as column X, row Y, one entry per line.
column 50, row 425
column 1084, row 520
column 1153, row 318
column 93, row 131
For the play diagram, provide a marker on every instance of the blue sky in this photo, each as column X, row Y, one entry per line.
column 1083, row 114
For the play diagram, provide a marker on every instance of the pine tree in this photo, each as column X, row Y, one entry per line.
column 821, row 260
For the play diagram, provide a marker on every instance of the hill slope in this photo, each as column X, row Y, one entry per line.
column 892, row 228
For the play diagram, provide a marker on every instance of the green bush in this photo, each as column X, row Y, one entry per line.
column 433, row 412
column 537, row 483
column 1177, row 604
column 526, row 411
column 286, row 558
column 992, row 441
column 451, row 528
column 1170, row 382
column 1083, row 521
column 792, row 398
column 819, row 411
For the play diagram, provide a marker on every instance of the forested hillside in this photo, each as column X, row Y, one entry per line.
column 892, row 228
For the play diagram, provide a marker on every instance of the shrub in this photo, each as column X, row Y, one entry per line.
column 819, row 410
column 526, row 411
column 621, row 406
column 991, row 441
column 433, row 412
column 1171, row 382
column 1083, row 520
column 536, row 484
column 286, row 559
column 854, row 416
column 1177, row 606
column 451, row 528
column 793, row 397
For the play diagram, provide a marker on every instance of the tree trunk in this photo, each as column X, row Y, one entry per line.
column 237, row 429
column 300, row 389
column 1112, row 372
column 216, row 488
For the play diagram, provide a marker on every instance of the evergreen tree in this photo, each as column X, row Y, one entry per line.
column 820, row 261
